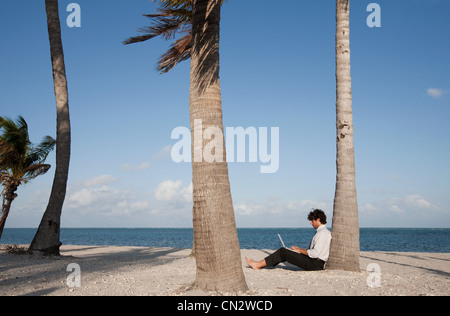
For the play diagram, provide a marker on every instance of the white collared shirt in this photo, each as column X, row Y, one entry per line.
column 320, row 244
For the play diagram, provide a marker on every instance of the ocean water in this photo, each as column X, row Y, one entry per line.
column 371, row 239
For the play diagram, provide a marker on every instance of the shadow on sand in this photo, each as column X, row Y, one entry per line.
column 37, row 272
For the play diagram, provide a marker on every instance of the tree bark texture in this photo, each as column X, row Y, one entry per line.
column 217, row 251
column 345, row 248
column 8, row 198
column 47, row 238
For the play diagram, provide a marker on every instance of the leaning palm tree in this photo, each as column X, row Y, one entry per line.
column 20, row 161
column 216, row 244
column 47, row 237
column 344, row 252
column 217, row 251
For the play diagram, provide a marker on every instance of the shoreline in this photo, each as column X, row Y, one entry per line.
column 372, row 239
column 124, row 271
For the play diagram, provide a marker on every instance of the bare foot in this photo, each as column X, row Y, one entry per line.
column 255, row 265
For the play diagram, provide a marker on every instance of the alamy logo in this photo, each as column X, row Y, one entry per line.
column 74, row 18
column 374, row 278
column 258, row 145
column 374, row 18
column 74, row 278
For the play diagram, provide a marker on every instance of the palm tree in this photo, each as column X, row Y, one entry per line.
column 217, row 251
column 344, row 252
column 20, row 161
column 216, row 244
column 47, row 237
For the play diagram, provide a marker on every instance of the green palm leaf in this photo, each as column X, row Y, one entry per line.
column 20, row 160
column 40, row 152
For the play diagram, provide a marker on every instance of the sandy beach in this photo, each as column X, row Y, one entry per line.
column 126, row 271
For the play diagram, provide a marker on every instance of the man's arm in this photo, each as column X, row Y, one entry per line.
column 300, row 250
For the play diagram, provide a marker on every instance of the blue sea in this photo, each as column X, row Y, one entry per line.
column 371, row 239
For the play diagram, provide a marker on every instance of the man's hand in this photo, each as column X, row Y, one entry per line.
column 300, row 250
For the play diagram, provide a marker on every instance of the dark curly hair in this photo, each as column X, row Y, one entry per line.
column 315, row 214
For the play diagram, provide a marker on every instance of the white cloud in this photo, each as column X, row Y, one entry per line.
column 140, row 205
column 411, row 202
column 132, row 168
column 81, row 198
column 187, row 193
column 167, row 190
column 95, row 197
column 170, row 205
column 409, row 211
column 248, row 209
column 436, row 93
column 412, row 210
column 419, row 202
column 172, row 191
column 103, row 201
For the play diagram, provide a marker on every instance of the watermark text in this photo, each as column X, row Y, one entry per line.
column 374, row 18
column 209, row 145
column 74, row 18
column 74, row 278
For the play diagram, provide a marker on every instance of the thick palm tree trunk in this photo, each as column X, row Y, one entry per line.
column 47, row 237
column 217, row 251
column 8, row 198
column 344, row 252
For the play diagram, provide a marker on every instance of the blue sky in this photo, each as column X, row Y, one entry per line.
column 277, row 70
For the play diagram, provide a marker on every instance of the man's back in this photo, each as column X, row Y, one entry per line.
column 320, row 244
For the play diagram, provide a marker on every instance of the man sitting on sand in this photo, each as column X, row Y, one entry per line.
column 311, row 259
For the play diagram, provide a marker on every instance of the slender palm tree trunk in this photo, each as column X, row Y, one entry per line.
column 344, row 252
column 47, row 237
column 217, row 251
column 8, row 198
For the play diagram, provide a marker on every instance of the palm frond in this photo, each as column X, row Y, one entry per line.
column 20, row 161
column 5, row 148
column 184, row 4
column 178, row 52
column 34, row 171
column 179, row 4
column 172, row 18
column 165, row 23
column 40, row 152
column 181, row 16
column 15, row 134
column 8, row 155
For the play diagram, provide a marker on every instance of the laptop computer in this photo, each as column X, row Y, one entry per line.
column 284, row 246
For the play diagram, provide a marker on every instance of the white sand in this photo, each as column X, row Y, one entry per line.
column 167, row 271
